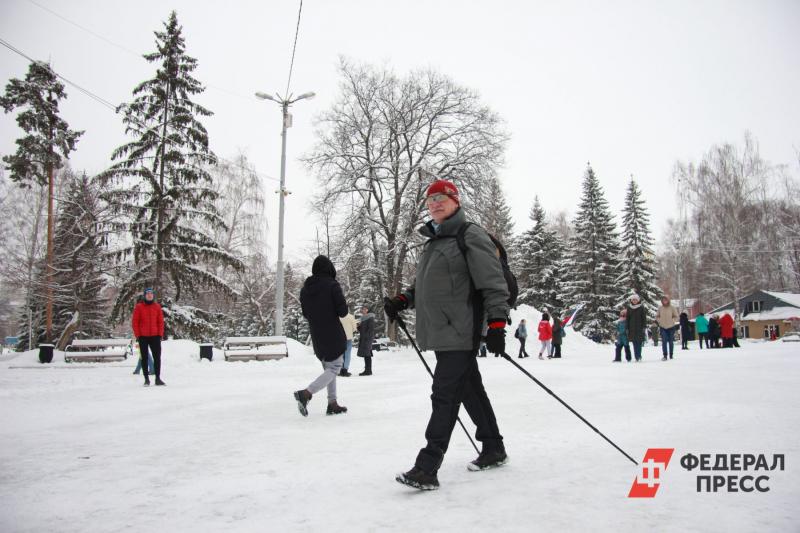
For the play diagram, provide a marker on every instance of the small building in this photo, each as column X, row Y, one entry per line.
column 764, row 313
column 692, row 306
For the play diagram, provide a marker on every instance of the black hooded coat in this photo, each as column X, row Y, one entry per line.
column 323, row 303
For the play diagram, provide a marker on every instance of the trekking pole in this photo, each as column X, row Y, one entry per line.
column 402, row 325
column 551, row 393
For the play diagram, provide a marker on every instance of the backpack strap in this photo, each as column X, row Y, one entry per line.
column 461, row 240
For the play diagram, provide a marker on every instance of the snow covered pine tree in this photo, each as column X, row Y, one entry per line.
column 637, row 260
column 161, row 187
column 591, row 263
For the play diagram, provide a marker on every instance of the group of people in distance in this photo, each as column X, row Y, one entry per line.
column 632, row 323
column 713, row 330
column 550, row 337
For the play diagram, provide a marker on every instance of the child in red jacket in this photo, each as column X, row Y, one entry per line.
column 545, row 334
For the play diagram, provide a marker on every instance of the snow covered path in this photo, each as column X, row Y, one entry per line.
column 83, row 447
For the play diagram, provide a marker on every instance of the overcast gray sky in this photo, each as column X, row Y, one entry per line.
column 631, row 86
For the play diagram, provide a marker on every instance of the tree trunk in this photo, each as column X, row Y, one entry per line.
column 50, row 227
column 160, row 213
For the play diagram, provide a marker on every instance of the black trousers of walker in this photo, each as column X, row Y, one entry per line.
column 457, row 380
column 153, row 344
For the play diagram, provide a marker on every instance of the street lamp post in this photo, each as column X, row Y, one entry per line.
column 287, row 123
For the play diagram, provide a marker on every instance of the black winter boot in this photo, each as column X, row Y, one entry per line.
column 487, row 460
column 335, row 409
column 159, row 383
column 418, row 479
column 302, row 397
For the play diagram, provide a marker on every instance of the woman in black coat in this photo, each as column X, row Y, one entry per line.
column 366, row 334
column 685, row 330
column 323, row 303
column 635, row 324
column 714, row 331
column 558, row 333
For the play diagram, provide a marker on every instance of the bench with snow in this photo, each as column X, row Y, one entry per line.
column 258, row 348
column 98, row 350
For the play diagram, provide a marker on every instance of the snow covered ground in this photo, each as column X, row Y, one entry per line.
column 84, row 447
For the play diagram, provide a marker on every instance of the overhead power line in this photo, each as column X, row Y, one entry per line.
column 114, row 108
column 83, row 28
column 294, row 48
column 125, row 48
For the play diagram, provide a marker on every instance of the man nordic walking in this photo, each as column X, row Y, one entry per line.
column 148, row 328
column 323, row 304
column 452, row 293
column 366, row 334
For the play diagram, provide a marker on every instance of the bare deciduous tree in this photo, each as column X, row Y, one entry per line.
column 384, row 140
column 735, row 228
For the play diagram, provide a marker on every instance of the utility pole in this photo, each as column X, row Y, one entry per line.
column 282, row 192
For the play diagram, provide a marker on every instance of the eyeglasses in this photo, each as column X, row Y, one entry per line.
column 438, row 197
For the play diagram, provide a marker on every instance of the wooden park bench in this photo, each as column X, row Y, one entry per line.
column 258, row 348
column 98, row 350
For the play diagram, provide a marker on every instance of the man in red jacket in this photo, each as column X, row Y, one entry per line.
column 148, row 328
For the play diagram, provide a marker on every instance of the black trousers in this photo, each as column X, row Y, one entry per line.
column 522, row 346
column 457, row 380
column 556, row 351
column 618, row 352
column 703, row 337
column 153, row 344
column 685, row 340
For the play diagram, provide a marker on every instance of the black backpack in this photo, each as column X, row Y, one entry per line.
column 511, row 280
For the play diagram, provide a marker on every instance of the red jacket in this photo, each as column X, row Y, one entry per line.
column 545, row 331
column 148, row 320
column 726, row 326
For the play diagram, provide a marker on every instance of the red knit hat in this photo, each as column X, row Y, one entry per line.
column 444, row 187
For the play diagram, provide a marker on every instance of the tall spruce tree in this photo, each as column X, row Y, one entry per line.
column 637, row 265
column 591, row 263
column 79, row 301
column 161, row 185
column 537, row 257
column 492, row 210
column 42, row 151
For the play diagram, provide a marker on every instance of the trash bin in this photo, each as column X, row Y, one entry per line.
column 46, row 353
column 207, row 351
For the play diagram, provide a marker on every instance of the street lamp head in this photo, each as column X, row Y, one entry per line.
column 265, row 96
column 306, row 95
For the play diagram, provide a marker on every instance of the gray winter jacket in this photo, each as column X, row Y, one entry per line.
column 441, row 291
